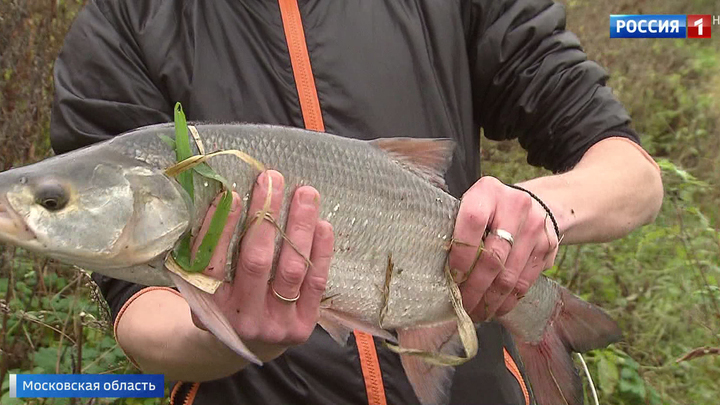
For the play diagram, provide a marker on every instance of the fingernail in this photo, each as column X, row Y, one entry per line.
column 308, row 197
column 277, row 183
column 277, row 180
column 325, row 231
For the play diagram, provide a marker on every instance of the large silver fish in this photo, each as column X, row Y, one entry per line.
column 111, row 208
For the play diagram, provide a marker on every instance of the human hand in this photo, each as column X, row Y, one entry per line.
column 267, row 323
column 493, row 277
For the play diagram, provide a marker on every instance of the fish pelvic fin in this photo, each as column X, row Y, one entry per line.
column 577, row 326
column 431, row 382
column 428, row 158
column 210, row 315
column 339, row 325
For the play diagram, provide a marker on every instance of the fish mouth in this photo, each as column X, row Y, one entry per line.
column 12, row 227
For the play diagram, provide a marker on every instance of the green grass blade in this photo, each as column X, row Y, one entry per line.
column 182, row 152
column 169, row 141
column 182, row 253
column 182, row 149
column 211, row 238
column 205, row 170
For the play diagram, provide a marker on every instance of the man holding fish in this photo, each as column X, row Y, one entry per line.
column 362, row 70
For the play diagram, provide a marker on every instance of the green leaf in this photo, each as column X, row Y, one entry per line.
column 11, row 401
column 46, row 359
column 608, row 375
column 206, row 171
column 182, row 149
column 169, row 141
column 182, row 253
column 211, row 238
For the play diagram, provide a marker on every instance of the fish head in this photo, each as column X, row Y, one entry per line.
column 95, row 208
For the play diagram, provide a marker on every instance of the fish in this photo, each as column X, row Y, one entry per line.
column 111, row 208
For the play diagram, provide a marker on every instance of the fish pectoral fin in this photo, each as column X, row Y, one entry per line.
column 339, row 325
column 578, row 327
column 210, row 315
column 430, row 380
column 428, row 158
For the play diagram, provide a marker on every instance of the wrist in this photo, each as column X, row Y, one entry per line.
column 156, row 332
column 553, row 191
column 548, row 212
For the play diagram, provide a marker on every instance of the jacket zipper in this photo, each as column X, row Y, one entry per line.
column 179, row 393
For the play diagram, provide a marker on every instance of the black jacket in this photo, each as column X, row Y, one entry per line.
column 383, row 68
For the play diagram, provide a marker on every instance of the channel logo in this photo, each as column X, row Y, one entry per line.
column 662, row 25
column 698, row 26
column 647, row 26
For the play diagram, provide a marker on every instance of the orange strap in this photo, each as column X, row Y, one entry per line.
column 370, row 368
column 312, row 116
column 300, row 60
column 510, row 364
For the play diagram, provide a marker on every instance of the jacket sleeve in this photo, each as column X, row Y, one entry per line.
column 102, row 86
column 532, row 81
column 101, row 90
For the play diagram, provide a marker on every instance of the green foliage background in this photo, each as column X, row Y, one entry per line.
column 662, row 282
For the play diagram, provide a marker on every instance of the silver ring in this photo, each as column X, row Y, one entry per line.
column 284, row 299
column 504, row 235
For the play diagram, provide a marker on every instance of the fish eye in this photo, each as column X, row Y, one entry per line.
column 52, row 196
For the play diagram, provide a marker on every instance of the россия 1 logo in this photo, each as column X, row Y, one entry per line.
column 661, row 25
column 698, row 26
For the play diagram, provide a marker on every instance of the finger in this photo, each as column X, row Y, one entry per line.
column 295, row 252
column 526, row 279
column 258, row 246
column 472, row 219
column 531, row 238
column 313, row 286
column 541, row 259
column 506, row 281
column 509, row 217
column 216, row 267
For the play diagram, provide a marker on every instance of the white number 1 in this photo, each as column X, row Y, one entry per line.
column 699, row 24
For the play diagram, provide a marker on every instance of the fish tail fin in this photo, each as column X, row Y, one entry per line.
column 212, row 318
column 577, row 326
column 431, row 382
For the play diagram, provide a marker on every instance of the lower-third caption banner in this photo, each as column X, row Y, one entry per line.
column 87, row 385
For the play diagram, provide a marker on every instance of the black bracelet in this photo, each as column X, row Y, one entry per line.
column 542, row 204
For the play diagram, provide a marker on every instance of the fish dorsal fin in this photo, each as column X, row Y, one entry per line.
column 428, row 158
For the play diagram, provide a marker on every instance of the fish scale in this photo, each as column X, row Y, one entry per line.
column 389, row 227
